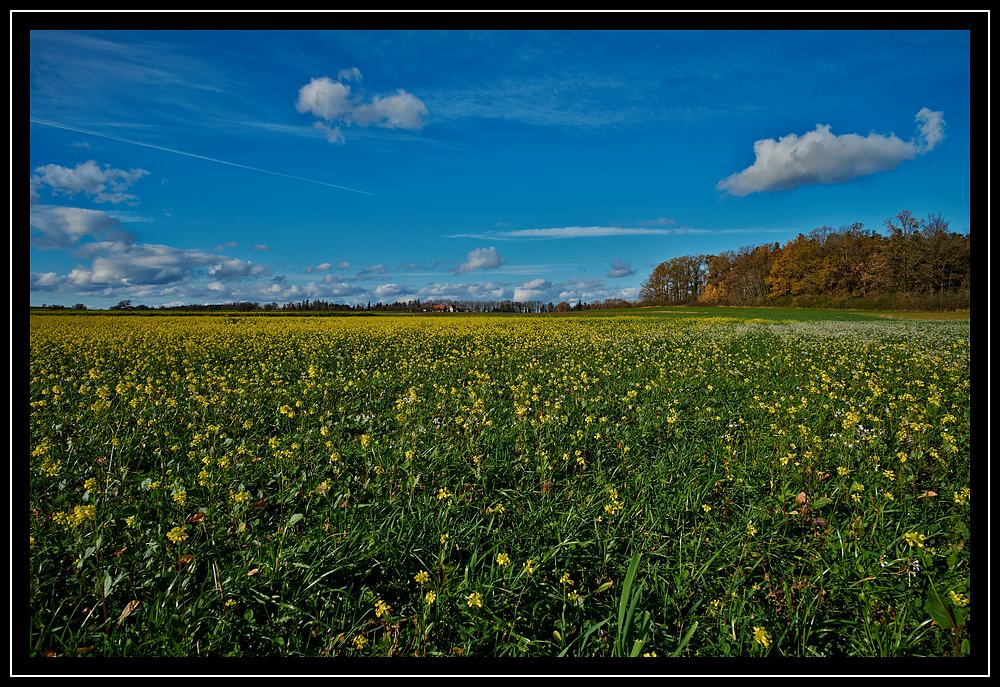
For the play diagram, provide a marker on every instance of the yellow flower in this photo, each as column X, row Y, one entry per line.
column 565, row 579
column 430, row 597
column 365, row 440
column 444, row 538
column 360, row 641
column 502, row 559
column 915, row 539
column 761, row 636
column 962, row 496
column 649, row 654
column 959, row 600
column 230, row 603
column 529, row 566
column 382, row 608
column 475, row 600
column 421, row 577
column 443, row 493
column 90, row 484
column 705, row 507
column 843, row 471
column 179, row 497
column 178, row 535
column 751, row 530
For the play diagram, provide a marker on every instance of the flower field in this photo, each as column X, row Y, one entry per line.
column 488, row 486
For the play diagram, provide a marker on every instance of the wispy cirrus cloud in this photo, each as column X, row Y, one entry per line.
column 822, row 157
column 564, row 233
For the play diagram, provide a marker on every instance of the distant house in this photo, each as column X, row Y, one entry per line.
column 442, row 307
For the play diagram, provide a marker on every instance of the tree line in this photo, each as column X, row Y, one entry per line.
column 917, row 263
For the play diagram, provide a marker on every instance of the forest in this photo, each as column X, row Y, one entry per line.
column 916, row 264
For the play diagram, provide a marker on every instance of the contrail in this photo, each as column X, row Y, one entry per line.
column 56, row 125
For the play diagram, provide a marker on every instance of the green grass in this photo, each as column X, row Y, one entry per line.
column 676, row 482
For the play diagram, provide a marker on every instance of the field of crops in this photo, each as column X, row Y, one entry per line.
column 533, row 486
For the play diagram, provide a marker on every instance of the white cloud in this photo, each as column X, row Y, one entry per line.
column 567, row 233
column 931, row 128
column 821, row 157
column 106, row 185
column 534, row 290
column 400, row 111
column 333, row 103
column 261, row 247
column 115, row 263
column 352, row 74
column 620, row 268
column 387, row 290
column 343, row 265
column 322, row 267
column 333, row 134
column 62, row 227
column 325, row 98
column 46, row 281
column 480, row 259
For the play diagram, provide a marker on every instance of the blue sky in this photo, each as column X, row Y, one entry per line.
column 201, row 166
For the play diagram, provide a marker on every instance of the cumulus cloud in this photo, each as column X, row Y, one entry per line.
column 400, row 111
column 325, row 98
column 343, row 265
column 931, row 128
column 322, row 267
column 620, row 268
column 62, row 227
column 107, row 185
column 821, row 157
column 533, row 290
column 46, row 281
column 262, row 247
column 387, row 290
column 332, row 101
column 480, row 259
column 130, row 264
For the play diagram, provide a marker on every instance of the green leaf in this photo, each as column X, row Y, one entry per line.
column 294, row 519
column 685, row 639
column 821, row 502
column 938, row 610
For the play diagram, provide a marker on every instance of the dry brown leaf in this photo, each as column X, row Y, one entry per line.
column 131, row 606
